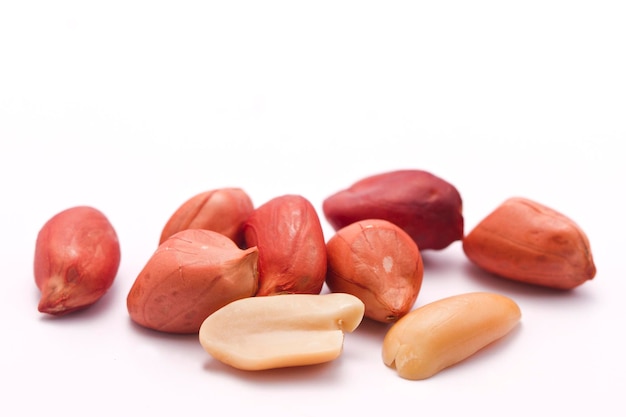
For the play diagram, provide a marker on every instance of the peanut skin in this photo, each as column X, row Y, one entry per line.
column 425, row 206
column 440, row 334
column 222, row 210
column 292, row 250
column 77, row 256
column 528, row 242
column 378, row 262
column 191, row 275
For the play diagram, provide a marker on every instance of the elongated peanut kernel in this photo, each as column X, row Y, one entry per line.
column 442, row 333
column 283, row 330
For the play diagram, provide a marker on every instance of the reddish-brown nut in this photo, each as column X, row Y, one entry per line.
column 528, row 242
column 425, row 206
column 292, row 250
column 77, row 256
column 222, row 210
column 379, row 263
column 191, row 275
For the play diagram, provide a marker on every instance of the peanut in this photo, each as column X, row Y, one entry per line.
column 191, row 275
column 292, row 250
column 528, row 242
column 222, row 210
column 279, row 331
column 77, row 255
column 378, row 262
column 445, row 332
column 427, row 207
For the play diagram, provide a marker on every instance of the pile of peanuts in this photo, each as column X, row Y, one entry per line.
column 248, row 280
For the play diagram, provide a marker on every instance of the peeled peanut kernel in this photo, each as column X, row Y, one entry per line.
column 445, row 332
column 525, row 241
column 282, row 330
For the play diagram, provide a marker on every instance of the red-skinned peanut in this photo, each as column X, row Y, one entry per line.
column 379, row 263
column 222, row 210
column 77, row 256
column 425, row 206
column 292, row 250
column 191, row 275
column 526, row 241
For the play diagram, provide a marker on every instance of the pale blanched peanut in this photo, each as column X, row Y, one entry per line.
column 442, row 333
column 283, row 330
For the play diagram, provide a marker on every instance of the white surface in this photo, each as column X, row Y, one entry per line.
column 133, row 107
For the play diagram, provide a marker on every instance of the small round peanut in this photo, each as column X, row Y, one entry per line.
column 378, row 262
column 445, row 332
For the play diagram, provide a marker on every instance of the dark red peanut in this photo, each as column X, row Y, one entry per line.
column 425, row 206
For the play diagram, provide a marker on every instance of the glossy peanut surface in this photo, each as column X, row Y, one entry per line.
column 442, row 333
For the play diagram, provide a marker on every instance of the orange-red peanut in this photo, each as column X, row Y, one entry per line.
column 525, row 241
column 292, row 250
column 77, row 255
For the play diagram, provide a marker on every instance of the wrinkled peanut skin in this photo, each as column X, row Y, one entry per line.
column 442, row 333
column 378, row 262
column 292, row 250
column 77, row 256
column 222, row 210
column 427, row 207
column 528, row 242
column 190, row 275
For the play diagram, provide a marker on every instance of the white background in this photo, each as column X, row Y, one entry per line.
column 133, row 107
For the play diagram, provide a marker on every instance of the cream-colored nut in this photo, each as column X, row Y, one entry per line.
column 279, row 331
column 442, row 333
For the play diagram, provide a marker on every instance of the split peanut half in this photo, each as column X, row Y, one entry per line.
column 277, row 331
